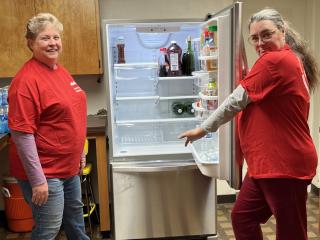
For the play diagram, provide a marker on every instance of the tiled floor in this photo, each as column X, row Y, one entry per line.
column 224, row 225
column 225, row 229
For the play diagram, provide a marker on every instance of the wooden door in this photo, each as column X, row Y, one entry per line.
column 14, row 51
column 81, row 35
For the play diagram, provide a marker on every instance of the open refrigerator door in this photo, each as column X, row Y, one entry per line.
column 218, row 154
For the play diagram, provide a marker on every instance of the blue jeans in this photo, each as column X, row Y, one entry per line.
column 64, row 207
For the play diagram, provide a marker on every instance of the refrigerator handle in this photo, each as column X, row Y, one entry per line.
column 244, row 62
column 152, row 169
column 239, row 72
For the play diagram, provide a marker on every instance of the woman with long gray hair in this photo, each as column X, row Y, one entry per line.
column 273, row 102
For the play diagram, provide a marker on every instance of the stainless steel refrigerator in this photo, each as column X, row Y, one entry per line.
column 160, row 188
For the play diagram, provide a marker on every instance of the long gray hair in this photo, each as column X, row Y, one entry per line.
column 294, row 40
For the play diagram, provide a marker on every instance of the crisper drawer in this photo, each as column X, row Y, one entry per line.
column 162, row 200
column 150, row 138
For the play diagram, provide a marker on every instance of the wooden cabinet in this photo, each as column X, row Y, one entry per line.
column 81, row 35
column 13, row 51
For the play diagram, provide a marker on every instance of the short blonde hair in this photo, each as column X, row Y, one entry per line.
column 37, row 23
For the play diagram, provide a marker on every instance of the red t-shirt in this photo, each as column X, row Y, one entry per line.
column 49, row 104
column 273, row 129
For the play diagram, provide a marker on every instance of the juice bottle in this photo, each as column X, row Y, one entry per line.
column 174, row 53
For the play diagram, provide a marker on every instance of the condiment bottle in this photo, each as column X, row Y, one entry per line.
column 163, row 64
column 120, row 46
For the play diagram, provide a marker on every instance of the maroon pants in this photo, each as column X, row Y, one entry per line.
column 259, row 199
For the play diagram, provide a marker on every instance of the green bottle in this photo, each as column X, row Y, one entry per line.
column 188, row 59
column 178, row 108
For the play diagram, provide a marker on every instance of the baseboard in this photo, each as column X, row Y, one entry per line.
column 229, row 198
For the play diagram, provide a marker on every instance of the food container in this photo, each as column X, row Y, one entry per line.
column 18, row 212
column 204, row 77
column 200, row 113
column 209, row 102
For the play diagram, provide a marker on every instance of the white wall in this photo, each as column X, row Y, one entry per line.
column 312, row 31
column 155, row 9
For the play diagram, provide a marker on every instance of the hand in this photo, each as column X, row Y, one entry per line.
column 40, row 194
column 82, row 163
column 193, row 135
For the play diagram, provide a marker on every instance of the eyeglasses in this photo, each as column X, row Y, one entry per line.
column 265, row 36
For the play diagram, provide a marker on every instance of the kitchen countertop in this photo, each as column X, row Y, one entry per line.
column 96, row 125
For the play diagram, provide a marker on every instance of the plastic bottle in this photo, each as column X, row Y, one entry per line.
column 174, row 53
column 188, row 59
column 163, row 63
column 5, row 95
column 120, row 46
column 212, row 88
column 178, row 108
column 209, row 63
column 2, row 121
column 5, row 110
column 196, row 51
column 213, row 37
column 0, row 96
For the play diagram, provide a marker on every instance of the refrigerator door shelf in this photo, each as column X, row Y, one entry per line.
column 206, row 154
column 204, row 77
column 201, row 113
column 207, row 97
column 211, row 57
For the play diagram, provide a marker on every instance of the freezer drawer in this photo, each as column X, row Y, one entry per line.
column 162, row 200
